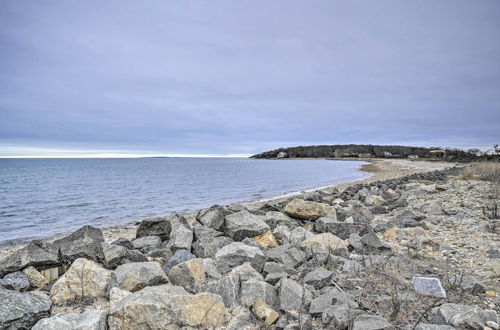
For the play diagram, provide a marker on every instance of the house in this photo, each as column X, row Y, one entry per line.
column 281, row 154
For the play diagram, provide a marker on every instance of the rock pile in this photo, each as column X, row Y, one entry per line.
column 398, row 254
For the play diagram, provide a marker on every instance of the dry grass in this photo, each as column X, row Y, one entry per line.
column 371, row 168
column 482, row 171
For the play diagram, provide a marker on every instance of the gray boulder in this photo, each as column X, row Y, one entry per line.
column 36, row 253
column 115, row 255
column 146, row 242
column 275, row 219
column 83, row 243
column 123, row 242
column 180, row 239
column 201, row 232
column 15, row 281
column 243, row 224
column 23, row 310
column 211, row 270
column 212, row 217
column 318, row 278
column 429, row 286
column 207, row 247
column 338, row 228
column 464, row 316
column 88, row 320
column 255, row 289
column 288, row 255
column 160, row 227
column 237, row 253
column 371, row 322
column 137, row 275
column 293, row 296
column 178, row 257
column 227, row 287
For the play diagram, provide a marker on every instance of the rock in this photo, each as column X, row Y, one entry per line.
column 339, row 316
column 84, row 282
column 371, row 240
column 201, row 232
column 282, row 234
column 433, row 209
column 493, row 325
column 123, row 242
column 36, row 253
column 429, row 286
column 266, row 240
column 178, row 257
column 264, row 312
column 299, row 234
column 212, row 217
column 289, row 256
column 188, row 274
column 15, row 281
column 242, row 318
column 273, row 267
column 23, row 310
column 306, row 210
column 326, row 241
column 211, row 270
column 36, row 279
column 160, row 227
column 115, row 255
column 244, row 224
column 359, row 214
column 146, row 242
column 464, row 316
column 338, row 228
column 181, row 239
column 319, row 277
column 246, row 272
column 321, row 303
column 237, row 253
column 136, row 275
column 116, row 295
column 167, row 307
column 274, row 278
column 207, row 247
column 371, row 322
column 83, row 243
column 293, row 296
column 275, row 219
column 254, row 289
column 422, row 326
column 228, row 288
column 88, row 320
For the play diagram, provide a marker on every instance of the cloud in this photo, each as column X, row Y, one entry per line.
column 242, row 77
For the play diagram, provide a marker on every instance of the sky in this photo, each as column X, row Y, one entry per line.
column 129, row 78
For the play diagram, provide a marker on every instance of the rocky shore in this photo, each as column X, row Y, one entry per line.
column 410, row 248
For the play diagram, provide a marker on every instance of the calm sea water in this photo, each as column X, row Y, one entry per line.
column 43, row 197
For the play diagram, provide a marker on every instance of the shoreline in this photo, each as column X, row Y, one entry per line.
column 377, row 169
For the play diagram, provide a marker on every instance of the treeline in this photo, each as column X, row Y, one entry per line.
column 376, row 151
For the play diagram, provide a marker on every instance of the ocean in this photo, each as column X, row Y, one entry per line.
column 44, row 197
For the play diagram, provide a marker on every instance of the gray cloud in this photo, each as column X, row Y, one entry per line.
column 241, row 77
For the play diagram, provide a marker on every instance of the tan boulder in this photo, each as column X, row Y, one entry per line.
column 325, row 241
column 266, row 240
column 167, row 307
column 84, row 282
column 306, row 210
column 264, row 312
column 37, row 280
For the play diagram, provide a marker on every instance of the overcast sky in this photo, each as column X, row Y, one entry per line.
column 240, row 77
